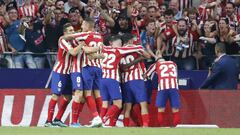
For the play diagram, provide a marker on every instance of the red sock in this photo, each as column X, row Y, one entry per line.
column 136, row 115
column 145, row 119
column 160, row 118
column 81, row 105
column 51, row 108
column 62, row 108
column 176, row 118
column 92, row 105
column 99, row 104
column 103, row 112
column 75, row 111
column 111, row 112
column 126, row 122
column 113, row 120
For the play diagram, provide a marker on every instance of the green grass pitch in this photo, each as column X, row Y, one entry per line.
column 117, row 131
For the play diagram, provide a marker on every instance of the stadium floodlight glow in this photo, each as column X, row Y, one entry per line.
column 196, row 126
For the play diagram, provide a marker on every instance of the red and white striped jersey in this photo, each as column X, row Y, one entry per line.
column 186, row 51
column 135, row 72
column 92, row 39
column 28, row 10
column 64, row 62
column 110, row 63
column 167, row 74
column 76, row 60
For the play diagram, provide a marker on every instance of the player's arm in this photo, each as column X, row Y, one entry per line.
column 124, row 67
column 150, row 71
column 89, row 50
column 95, row 56
column 74, row 51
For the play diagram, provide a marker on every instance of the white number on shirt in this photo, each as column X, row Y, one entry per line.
column 168, row 70
column 108, row 60
column 128, row 59
column 95, row 44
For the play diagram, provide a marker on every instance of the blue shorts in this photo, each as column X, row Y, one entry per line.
column 134, row 91
column 164, row 95
column 91, row 76
column 155, row 82
column 61, row 84
column 77, row 83
column 149, row 87
column 110, row 90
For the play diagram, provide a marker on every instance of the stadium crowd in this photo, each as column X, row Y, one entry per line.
column 35, row 26
column 158, row 30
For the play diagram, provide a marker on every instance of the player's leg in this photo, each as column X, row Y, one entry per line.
column 98, row 100
column 57, row 85
column 64, row 101
column 88, row 80
column 161, row 101
column 114, row 91
column 77, row 85
column 96, row 87
column 127, row 110
column 140, row 94
column 175, row 104
column 128, row 100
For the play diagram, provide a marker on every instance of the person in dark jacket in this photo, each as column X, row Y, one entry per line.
column 224, row 72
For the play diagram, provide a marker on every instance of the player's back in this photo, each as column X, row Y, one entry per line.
column 134, row 72
column 110, row 63
column 167, row 75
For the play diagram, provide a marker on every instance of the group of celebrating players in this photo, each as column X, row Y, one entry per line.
column 110, row 79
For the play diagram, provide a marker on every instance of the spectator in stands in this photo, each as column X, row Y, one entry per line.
column 183, row 47
column 207, row 46
column 15, row 40
column 28, row 9
column 226, row 35
column 224, row 72
column 60, row 5
column 35, row 41
column 73, row 3
column 54, row 22
column 148, row 39
column 75, row 18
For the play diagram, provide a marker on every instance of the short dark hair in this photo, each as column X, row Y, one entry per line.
column 151, row 7
column 221, row 47
column 169, row 12
column 66, row 25
column 126, row 37
column 231, row 4
column 74, row 9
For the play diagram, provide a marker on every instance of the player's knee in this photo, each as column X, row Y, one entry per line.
column 161, row 109
column 105, row 104
column 175, row 110
column 54, row 97
column 118, row 103
column 87, row 93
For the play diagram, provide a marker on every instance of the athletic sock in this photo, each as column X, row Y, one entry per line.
column 51, row 108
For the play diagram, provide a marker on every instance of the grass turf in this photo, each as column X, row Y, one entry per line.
column 117, row 131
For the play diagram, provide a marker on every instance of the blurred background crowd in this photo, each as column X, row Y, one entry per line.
column 184, row 31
